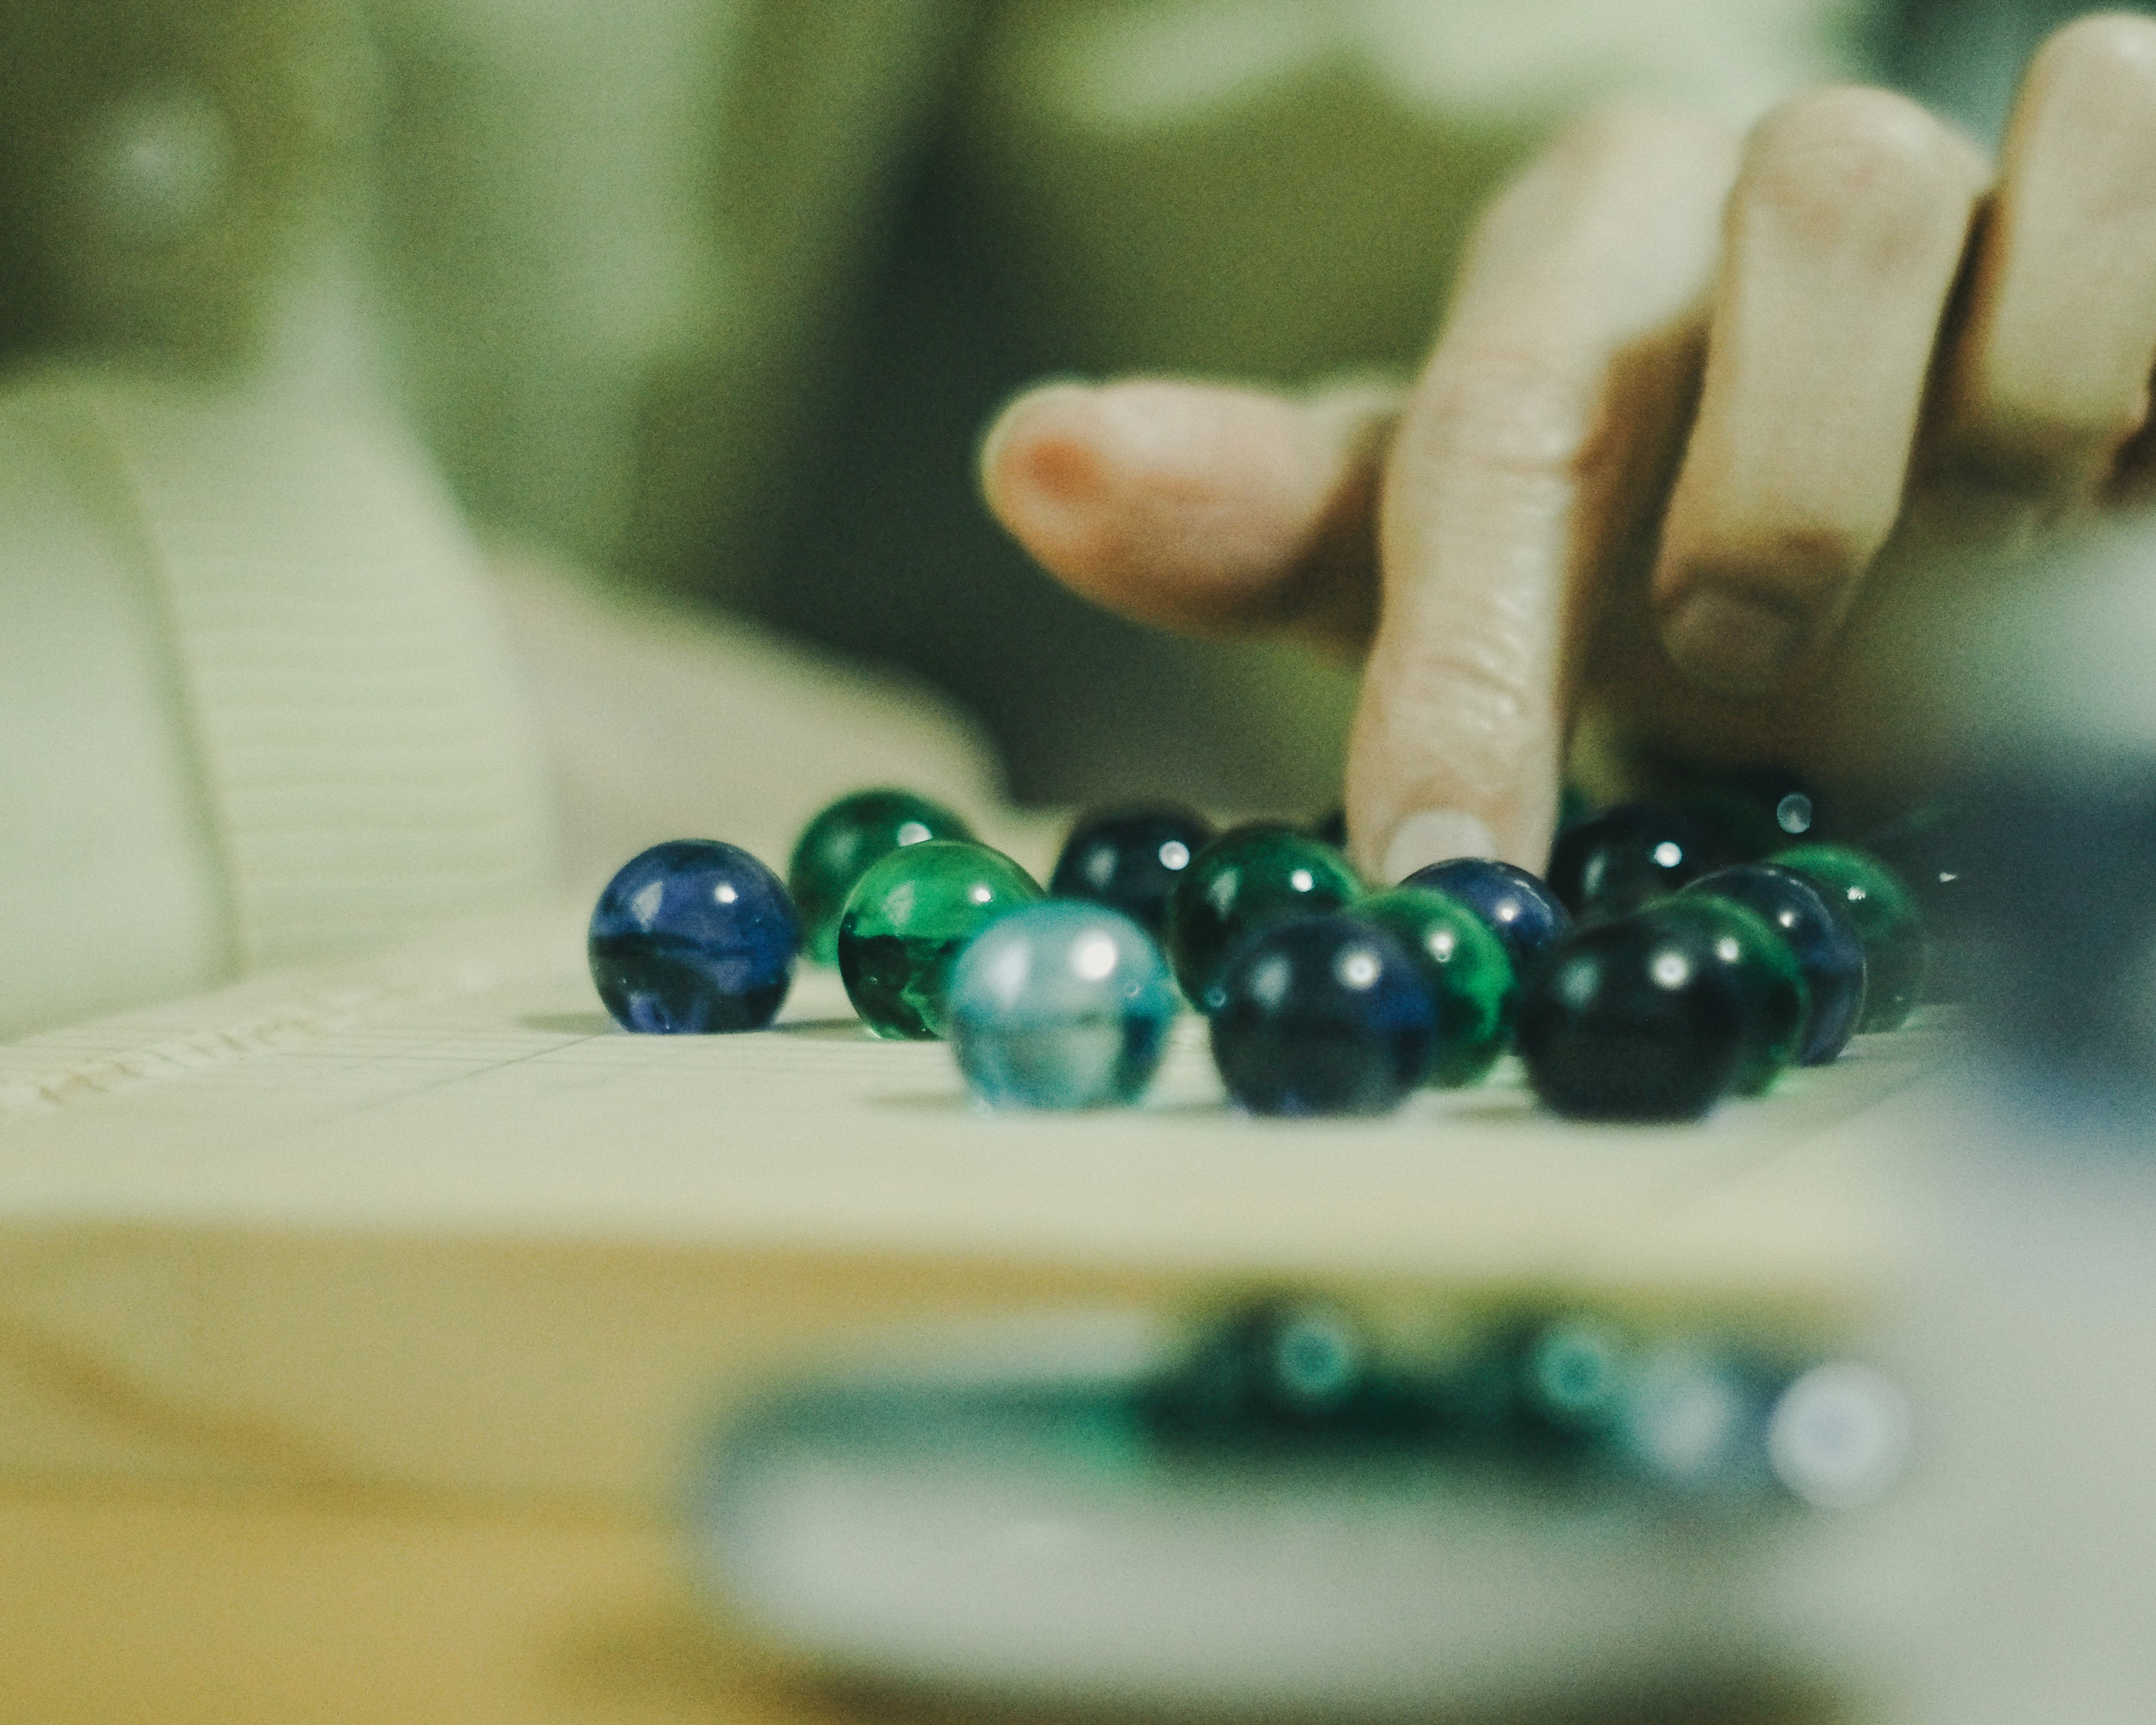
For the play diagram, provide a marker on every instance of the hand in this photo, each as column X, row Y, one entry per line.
column 1714, row 435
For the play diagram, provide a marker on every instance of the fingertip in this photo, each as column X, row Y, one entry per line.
column 1044, row 472
column 1433, row 835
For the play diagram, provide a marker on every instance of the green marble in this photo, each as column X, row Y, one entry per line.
column 1770, row 985
column 837, row 848
column 1247, row 877
column 909, row 918
column 1468, row 973
column 1883, row 912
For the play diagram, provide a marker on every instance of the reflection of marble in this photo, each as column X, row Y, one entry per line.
column 1063, row 1005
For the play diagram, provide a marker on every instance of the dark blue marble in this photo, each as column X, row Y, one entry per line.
column 1061, row 1005
column 1619, row 859
column 1521, row 911
column 694, row 935
column 1321, row 1015
column 1631, row 1019
column 1828, row 952
column 1130, row 859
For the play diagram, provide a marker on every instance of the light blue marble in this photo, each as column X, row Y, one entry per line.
column 1061, row 1005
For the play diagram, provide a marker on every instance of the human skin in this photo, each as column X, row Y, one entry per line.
column 1718, row 432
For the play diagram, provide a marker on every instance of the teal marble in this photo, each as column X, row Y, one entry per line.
column 1061, row 1005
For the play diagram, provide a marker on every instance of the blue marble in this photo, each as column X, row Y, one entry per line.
column 694, row 935
column 1521, row 911
column 1827, row 952
column 1321, row 1015
column 1061, row 1005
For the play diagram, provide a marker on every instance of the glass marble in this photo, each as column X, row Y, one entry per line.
column 836, row 849
column 1623, row 1021
column 1321, row 1015
column 1130, row 859
column 1622, row 859
column 1822, row 940
column 1885, row 916
column 1520, row 909
column 1770, row 986
column 909, row 917
column 1061, row 1005
column 693, row 936
column 1467, row 970
column 1247, row 877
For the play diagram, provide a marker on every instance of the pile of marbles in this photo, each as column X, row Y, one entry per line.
column 1649, row 976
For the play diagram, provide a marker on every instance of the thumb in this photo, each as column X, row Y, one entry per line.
column 1531, row 459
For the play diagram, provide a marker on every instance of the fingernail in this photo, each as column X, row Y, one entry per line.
column 1437, row 835
column 1731, row 642
column 1006, row 423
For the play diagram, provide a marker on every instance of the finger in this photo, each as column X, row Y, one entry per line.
column 1198, row 507
column 1533, row 450
column 1845, row 234
column 2052, row 372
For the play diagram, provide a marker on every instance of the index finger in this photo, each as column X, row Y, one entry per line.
column 1529, row 463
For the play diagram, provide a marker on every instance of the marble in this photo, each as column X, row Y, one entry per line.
column 1774, row 1002
column 1517, row 906
column 1820, row 938
column 1468, row 973
column 1321, row 1015
column 1623, row 1021
column 692, row 936
column 838, row 847
column 1622, row 859
column 1884, row 913
column 1130, row 859
column 1061, row 1005
column 1244, row 878
column 909, row 918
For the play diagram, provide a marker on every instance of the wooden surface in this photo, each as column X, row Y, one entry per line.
column 191, row 1607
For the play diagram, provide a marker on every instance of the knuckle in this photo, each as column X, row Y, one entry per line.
column 1845, row 163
